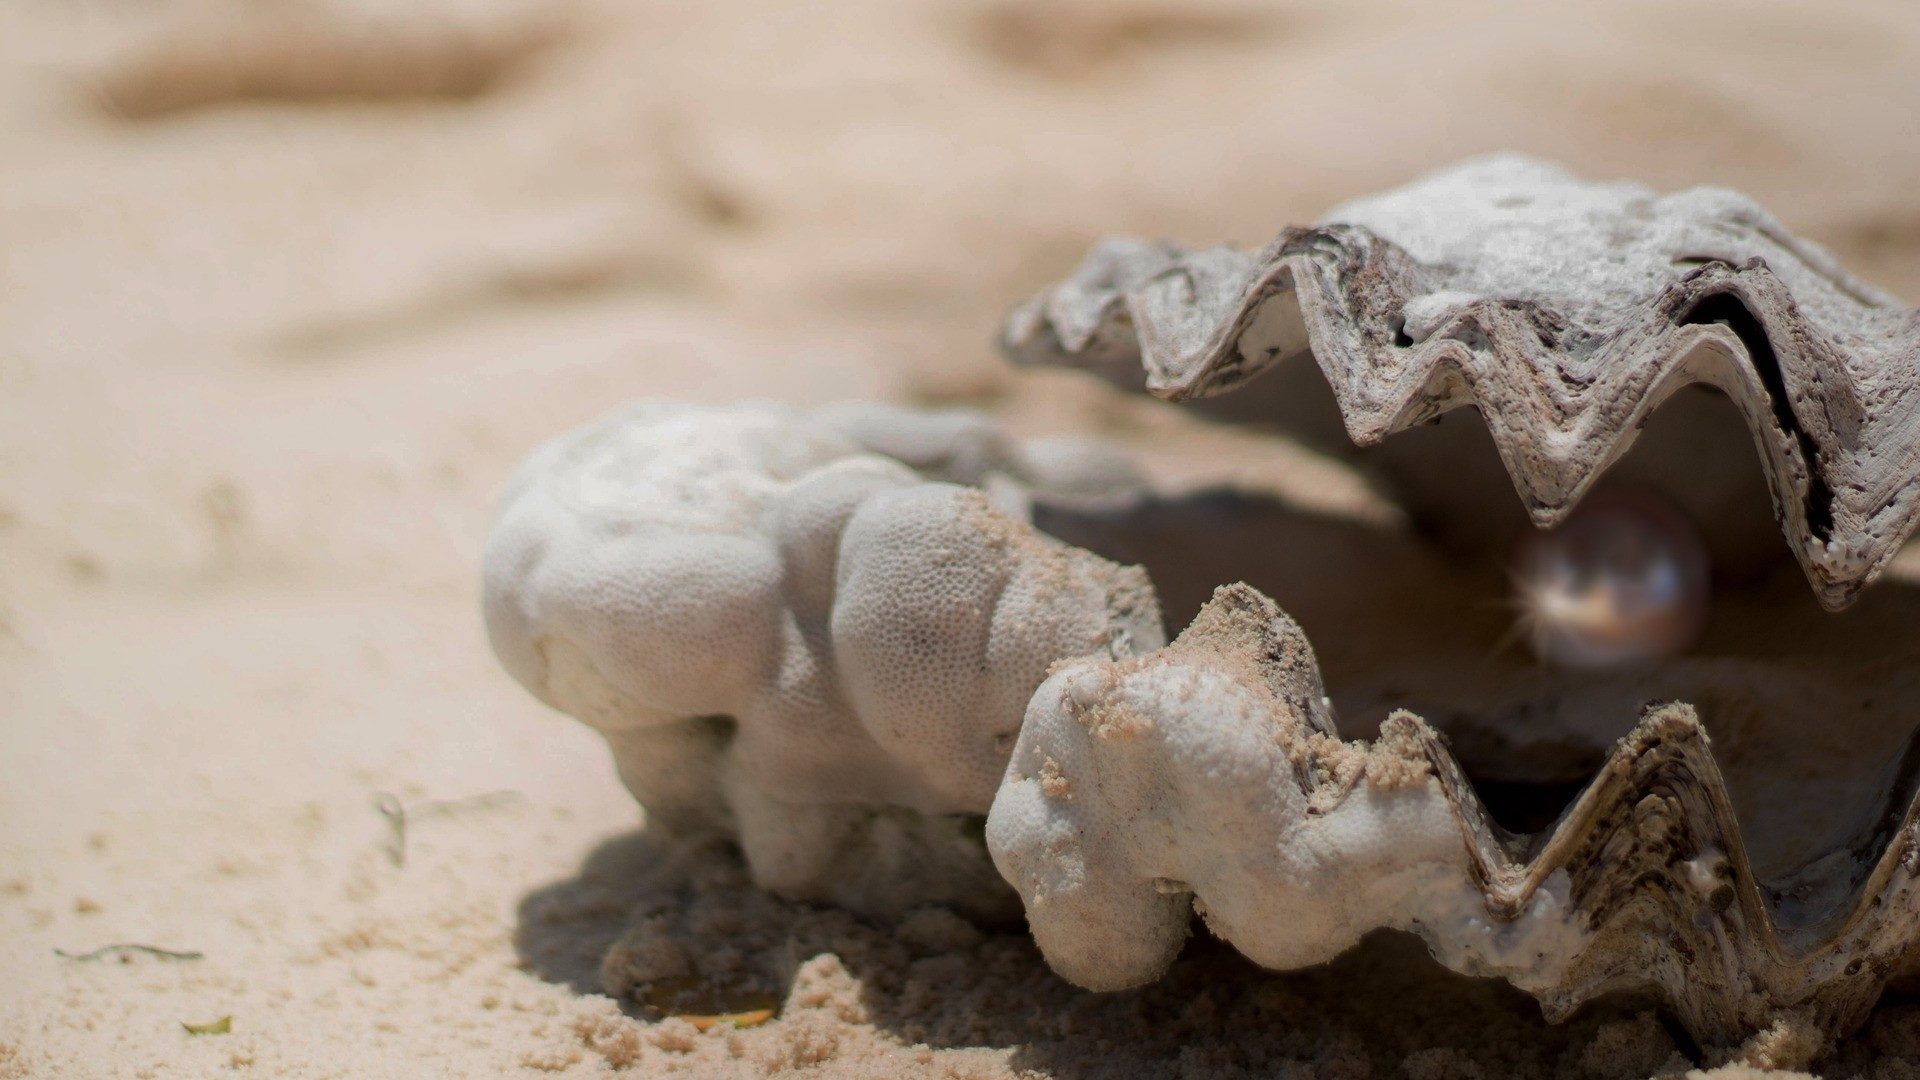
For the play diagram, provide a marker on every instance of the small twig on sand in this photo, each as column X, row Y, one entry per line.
column 398, row 815
column 128, row 947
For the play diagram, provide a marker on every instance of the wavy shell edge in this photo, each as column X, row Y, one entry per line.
column 1833, row 401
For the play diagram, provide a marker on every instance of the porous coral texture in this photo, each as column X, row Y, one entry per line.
column 799, row 643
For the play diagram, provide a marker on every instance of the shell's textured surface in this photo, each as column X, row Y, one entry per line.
column 793, row 640
column 1565, row 311
column 1208, row 777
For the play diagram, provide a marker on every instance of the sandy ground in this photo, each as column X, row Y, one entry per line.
column 286, row 288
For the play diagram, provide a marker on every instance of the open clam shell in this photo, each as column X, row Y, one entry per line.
column 1762, row 877
column 1565, row 313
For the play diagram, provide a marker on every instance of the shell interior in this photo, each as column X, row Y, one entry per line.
column 1736, row 827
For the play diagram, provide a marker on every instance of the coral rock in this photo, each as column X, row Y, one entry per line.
column 792, row 640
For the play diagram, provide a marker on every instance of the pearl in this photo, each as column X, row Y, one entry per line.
column 1622, row 581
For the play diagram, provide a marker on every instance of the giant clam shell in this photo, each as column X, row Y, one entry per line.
column 1764, row 879
column 1209, row 776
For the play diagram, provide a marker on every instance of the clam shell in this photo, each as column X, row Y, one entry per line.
column 1565, row 311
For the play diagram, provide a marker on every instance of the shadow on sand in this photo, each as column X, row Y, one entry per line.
column 641, row 906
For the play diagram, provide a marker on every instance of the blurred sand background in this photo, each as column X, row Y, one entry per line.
column 287, row 287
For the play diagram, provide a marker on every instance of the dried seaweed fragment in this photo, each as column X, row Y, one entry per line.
column 399, row 816
column 1565, row 311
column 123, row 950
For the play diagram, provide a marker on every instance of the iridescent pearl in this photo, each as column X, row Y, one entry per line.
column 1624, row 580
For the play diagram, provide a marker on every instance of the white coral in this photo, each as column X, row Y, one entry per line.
column 797, row 642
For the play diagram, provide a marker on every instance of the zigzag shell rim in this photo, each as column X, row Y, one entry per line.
column 1193, row 323
column 1667, row 758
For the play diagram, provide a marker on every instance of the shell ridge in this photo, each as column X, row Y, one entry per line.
column 1668, row 754
column 1627, row 809
column 1556, row 435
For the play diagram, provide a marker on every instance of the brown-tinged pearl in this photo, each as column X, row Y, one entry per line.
column 1623, row 580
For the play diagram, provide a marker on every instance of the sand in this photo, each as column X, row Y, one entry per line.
column 286, row 288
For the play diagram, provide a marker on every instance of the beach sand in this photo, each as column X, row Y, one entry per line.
column 286, row 288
